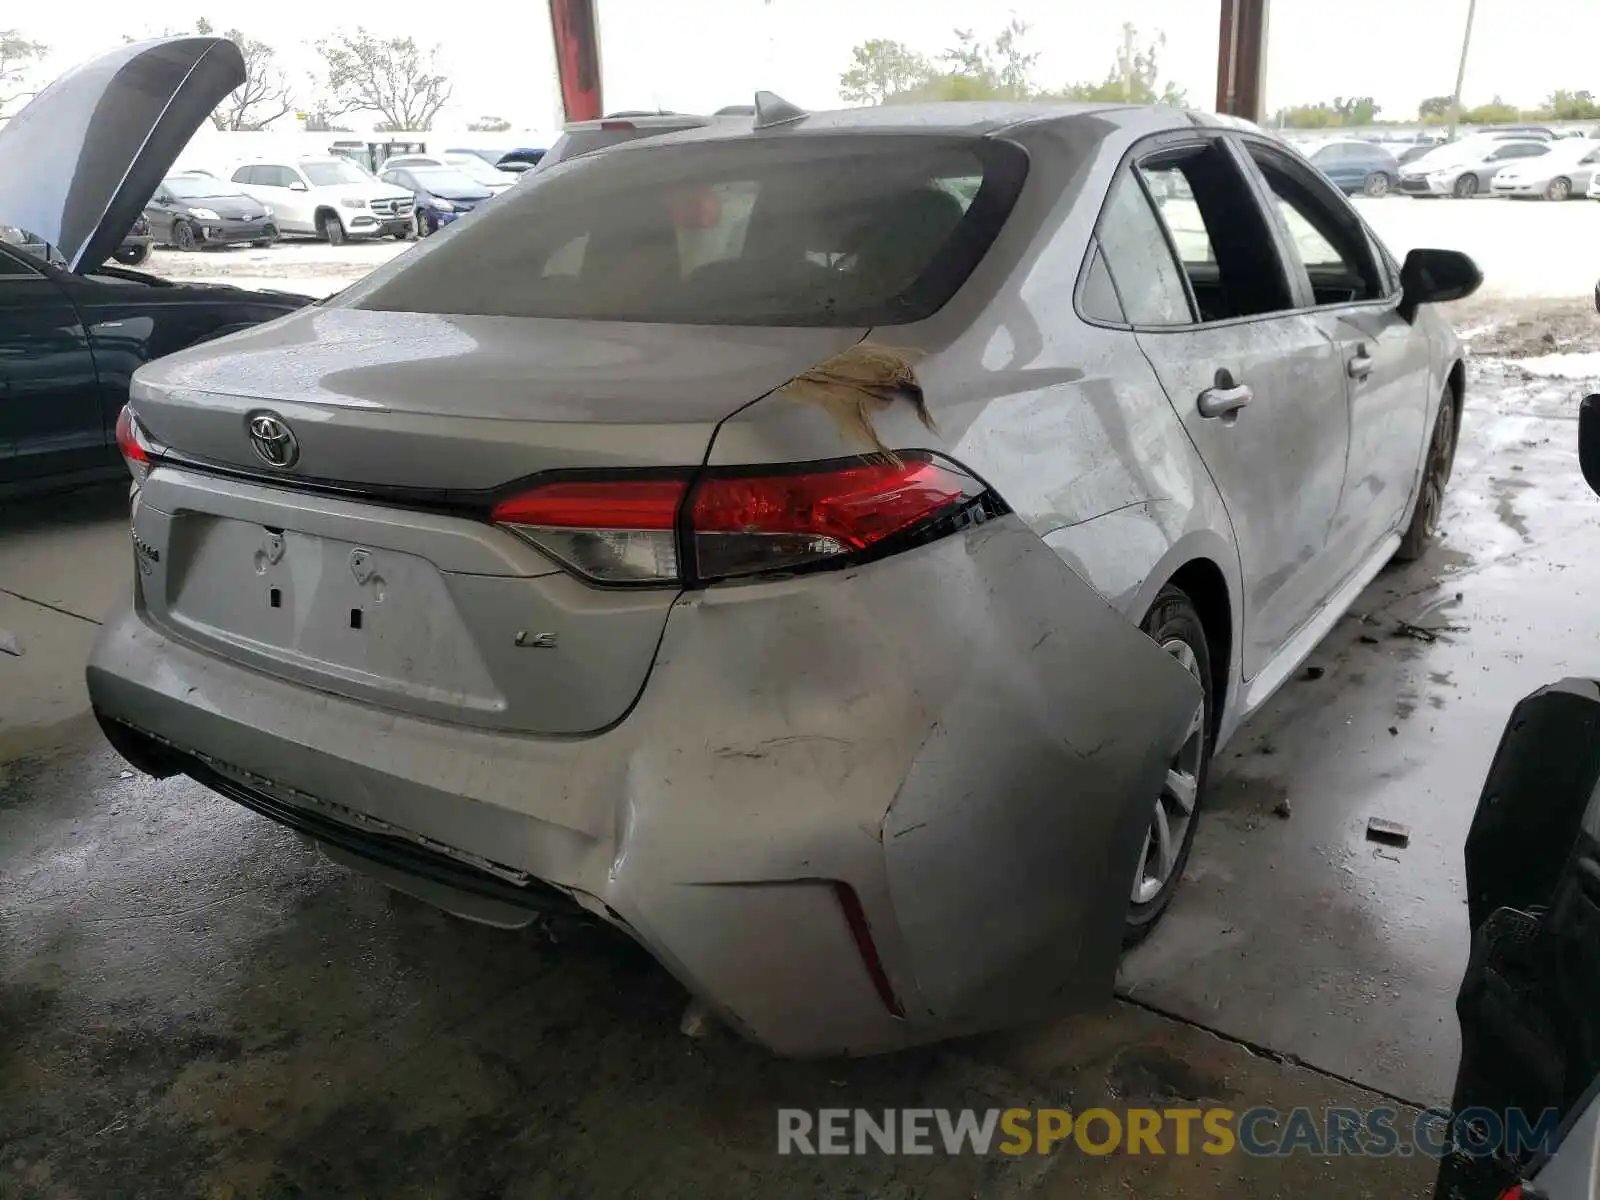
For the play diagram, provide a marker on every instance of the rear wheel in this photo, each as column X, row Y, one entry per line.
column 1378, row 184
column 1175, row 625
column 131, row 256
column 331, row 229
column 1559, row 189
column 183, row 235
column 1466, row 187
column 1430, row 490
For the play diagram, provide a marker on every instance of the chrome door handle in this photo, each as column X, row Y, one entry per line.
column 1225, row 402
column 1360, row 366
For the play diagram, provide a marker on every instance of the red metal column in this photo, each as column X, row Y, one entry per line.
column 577, row 39
column 1242, row 58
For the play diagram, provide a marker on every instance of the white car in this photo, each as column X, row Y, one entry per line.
column 1464, row 169
column 1568, row 170
column 1594, row 186
column 470, row 165
column 331, row 197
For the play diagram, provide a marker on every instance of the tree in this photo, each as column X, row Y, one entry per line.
column 265, row 94
column 488, row 125
column 1435, row 108
column 1135, row 76
column 998, row 70
column 1564, row 105
column 1496, row 112
column 18, row 56
column 883, row 68
column 387, row 76
column 320, row 119
column 1356, row 111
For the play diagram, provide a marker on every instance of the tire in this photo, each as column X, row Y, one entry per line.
column 1559, row 189
column 1378, row 184
column 183, row 236
column 419, row 225
column 1436, row 470
column 132, row 256
column 1466, row 187
column 331, row 229
column 1174, row 625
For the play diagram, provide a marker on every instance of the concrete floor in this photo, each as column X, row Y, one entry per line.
column 193, row 1002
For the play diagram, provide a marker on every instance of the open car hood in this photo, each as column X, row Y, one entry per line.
column 79, row 163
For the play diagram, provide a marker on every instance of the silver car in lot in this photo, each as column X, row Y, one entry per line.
column 830, row 547
column 1568, row 170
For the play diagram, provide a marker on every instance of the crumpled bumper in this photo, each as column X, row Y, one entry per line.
column 852, row 811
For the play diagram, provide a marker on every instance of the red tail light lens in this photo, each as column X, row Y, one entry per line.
column 137, row 449
column 749, row 524
column 621, row 531
column 625, row 531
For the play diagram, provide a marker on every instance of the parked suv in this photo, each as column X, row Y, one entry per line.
column 332, row 198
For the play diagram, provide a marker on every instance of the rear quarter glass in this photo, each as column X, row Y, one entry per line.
column 835, row 231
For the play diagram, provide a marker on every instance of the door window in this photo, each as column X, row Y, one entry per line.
column 1327, row 237
column 245, row 175
column 1219, row 232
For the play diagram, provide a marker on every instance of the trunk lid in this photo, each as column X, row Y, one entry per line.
column 393, row 588
column 78, row 163
column 465, row 404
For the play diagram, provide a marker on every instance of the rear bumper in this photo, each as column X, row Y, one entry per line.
column 958, row 766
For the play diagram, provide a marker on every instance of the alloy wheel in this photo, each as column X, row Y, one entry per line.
column 1377, row 184
column 1180, row 791
column 1559, row 189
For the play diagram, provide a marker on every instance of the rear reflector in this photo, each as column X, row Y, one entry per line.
column 738, row 523
column 856, row 917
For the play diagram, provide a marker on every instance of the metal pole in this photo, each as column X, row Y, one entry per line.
column 1461, row 70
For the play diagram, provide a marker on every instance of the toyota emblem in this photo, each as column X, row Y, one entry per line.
column 273, row 440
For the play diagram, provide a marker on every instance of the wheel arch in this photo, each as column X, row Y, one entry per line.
column 325, row 210
column 1199, row 563
column 1203, row 582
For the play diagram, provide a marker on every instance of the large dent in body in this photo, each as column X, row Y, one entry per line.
column 1010, row 847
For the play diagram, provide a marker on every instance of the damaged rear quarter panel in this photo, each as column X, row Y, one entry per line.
column 1010, row 845
column 967, row 734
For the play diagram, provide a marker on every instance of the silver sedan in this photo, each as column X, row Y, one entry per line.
column 832, row 551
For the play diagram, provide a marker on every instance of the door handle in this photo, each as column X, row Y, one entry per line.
column 1225, row 402
column 1360, row 365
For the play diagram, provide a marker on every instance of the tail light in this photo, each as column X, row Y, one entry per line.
column 138, row 451
column 729, row 524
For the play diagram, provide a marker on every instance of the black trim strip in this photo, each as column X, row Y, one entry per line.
column 394, row 852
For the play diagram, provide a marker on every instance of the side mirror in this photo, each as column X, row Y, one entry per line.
column 1436, row 277
column 297, row 186
column 1589, row 441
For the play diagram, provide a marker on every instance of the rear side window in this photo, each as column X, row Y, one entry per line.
column 815, row 231
column 1148, row 279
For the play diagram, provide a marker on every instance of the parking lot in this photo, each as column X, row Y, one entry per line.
column 196, row 1000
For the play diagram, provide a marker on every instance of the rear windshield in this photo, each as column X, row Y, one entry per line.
column 819, row 231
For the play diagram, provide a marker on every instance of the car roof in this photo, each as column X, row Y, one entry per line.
column 971, row 118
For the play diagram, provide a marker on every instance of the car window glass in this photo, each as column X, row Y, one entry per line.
column 1220, row 232
column 1332, row 248
column 830, row 231
column 1139, row 261
column 1531, row 151
column 245, row 175
column 1099, row 298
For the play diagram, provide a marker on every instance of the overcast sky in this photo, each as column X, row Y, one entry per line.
column 698, row 55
